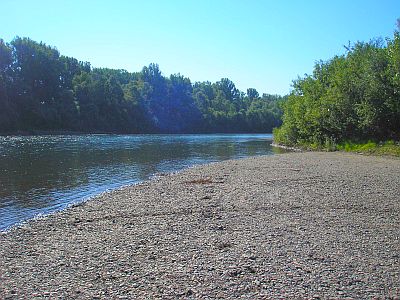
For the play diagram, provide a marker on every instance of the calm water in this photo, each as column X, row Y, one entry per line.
column 43, row 174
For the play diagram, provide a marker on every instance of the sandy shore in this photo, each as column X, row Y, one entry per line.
column 299, row 225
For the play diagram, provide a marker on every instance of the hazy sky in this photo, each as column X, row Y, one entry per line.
column 255, row 43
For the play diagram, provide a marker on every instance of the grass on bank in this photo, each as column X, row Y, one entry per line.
column 389, row 148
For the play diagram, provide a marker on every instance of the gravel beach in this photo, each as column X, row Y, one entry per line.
column 298, row 225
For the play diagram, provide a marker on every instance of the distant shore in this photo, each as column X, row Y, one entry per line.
column 66, row 132
column 297, row 225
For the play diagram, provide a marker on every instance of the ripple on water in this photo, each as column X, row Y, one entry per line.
column 43, row 174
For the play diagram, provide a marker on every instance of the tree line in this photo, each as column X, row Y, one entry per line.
column 351, row 97
column 41, row 90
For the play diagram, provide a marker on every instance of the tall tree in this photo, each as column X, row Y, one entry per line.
column 7, row 111
column 43, row 90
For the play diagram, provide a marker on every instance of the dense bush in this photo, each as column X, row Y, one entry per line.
column 353, row 97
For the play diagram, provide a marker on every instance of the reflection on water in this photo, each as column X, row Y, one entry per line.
column 46, row 173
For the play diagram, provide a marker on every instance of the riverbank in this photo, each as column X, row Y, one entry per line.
column 387, row 148
column 298, row 225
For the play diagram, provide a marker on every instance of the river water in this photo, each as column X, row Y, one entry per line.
column 44, row 174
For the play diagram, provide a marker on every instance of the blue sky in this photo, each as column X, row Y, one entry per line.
column 256, row 43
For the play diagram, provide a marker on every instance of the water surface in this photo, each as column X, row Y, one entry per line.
column 43, row 174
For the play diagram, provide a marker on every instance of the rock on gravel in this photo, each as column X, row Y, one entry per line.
column 298, row 225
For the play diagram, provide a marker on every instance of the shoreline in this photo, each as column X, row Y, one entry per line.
column 287, row 147
column 297, row 225
column 43, row 216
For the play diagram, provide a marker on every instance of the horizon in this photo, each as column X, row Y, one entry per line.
column 261, row 45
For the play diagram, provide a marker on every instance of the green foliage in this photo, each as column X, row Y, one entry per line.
column 351, row 97
column 43, row 90
column 6, row 113
column 383, row 148
column 226, row 109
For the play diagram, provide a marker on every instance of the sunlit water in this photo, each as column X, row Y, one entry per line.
column 43, row 174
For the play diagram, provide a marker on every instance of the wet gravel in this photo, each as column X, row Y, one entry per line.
column 298, row 225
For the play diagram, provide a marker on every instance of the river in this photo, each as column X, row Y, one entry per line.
column 43, row 174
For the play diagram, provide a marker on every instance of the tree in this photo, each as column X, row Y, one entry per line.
column 7, row 111
column 350, row 97
column 252, row 93
column 43, row 90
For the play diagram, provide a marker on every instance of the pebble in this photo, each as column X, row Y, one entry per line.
column 299, row 225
